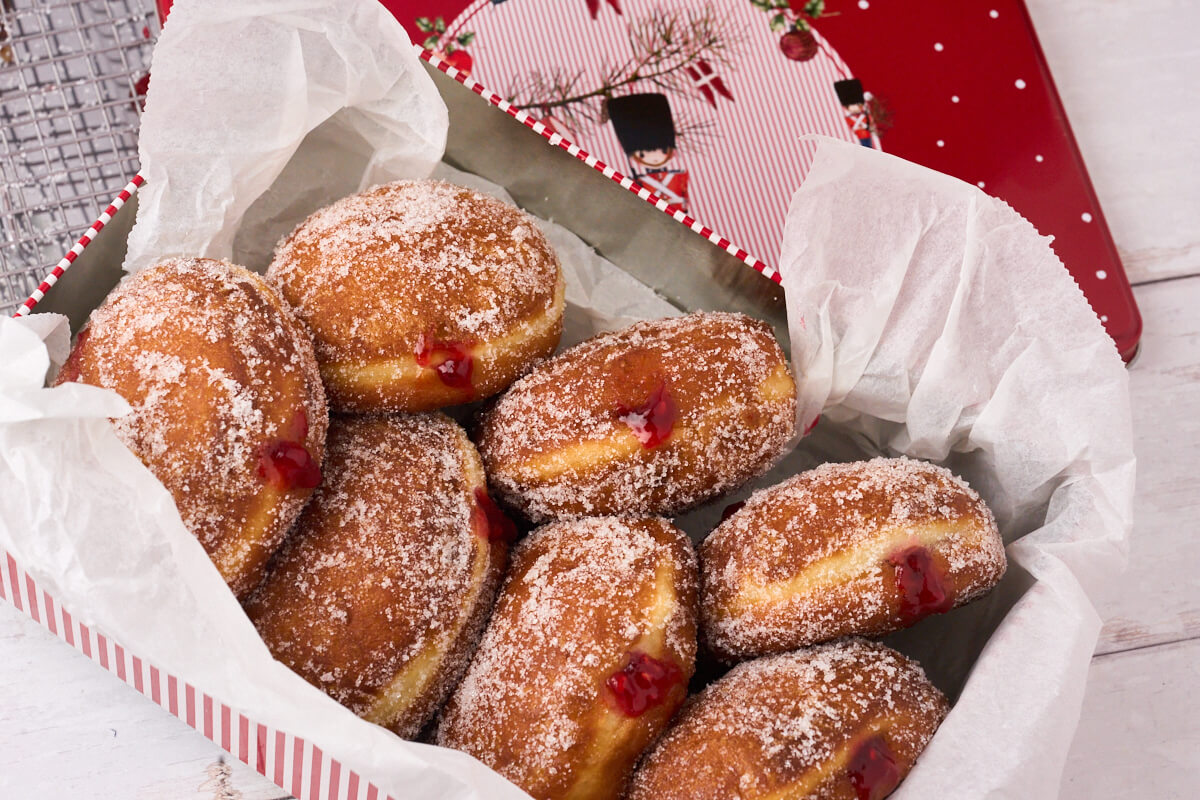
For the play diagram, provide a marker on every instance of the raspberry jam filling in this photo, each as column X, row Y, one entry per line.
column 732, row 509
column 653, row 421
column 286, row 463
column 643, row 683
column 922, row 591
column 872, row 770
column 70, row 370
column 449, row 359
column 489, row 521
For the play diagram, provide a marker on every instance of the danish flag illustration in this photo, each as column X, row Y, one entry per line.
column 706, row 80
column 594, row 6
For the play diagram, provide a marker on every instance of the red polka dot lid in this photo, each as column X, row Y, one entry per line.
column 709, row 113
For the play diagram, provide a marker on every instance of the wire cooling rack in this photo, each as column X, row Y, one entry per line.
column 72, row 75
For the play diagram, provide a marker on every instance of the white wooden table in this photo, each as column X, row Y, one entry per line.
column 1128, row 74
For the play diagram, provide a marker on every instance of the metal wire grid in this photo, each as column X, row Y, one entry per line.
column 69, row 112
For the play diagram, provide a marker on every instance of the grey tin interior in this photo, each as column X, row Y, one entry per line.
column 682, row 266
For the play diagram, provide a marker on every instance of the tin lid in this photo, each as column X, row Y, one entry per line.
column 959, row 87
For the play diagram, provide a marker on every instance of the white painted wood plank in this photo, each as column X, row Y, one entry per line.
column 70, row 730
column 1139, row 732
column 1158, row 599
column 1127, row 74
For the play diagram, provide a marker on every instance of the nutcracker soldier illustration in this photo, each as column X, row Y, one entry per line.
column 646, row 131
column 858, row 117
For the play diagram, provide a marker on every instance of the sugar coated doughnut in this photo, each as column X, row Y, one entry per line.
column 421, row 294
column 652, row 419
column 228, row 408
column 381, row 593
column 840, row 721
column 586, row 658
column 860, row 548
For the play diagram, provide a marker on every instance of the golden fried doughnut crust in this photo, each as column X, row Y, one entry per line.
column 421, row 294
column 860, row 548
column 380, row 594
column 652, row 419
column 586, row 658
column 228, row 408
column 840, row 721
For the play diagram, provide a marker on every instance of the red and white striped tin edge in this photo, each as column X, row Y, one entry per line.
column 292, row 763
column 494, row 99
column 578, row 152
column 63, row 265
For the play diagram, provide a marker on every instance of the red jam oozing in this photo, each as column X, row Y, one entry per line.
column 732, row 509
column 490, row 522
column 70, row 370
column 653, row 421
column 872, row 770
column 922, row 591
column 643, row 683
column 286, row 463
column 450, row 360
column 809, row 427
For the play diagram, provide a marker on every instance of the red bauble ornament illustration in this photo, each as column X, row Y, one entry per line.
column 459, row 59
column 799, row 45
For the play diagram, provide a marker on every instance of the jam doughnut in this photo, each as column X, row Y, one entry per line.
column 841, row 721
column 652, row 419
column 587, row 656
column 380, row 595
column 862, row 548
column 421, row 294
column 228, row 408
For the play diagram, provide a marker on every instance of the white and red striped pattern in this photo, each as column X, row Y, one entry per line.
column 62, row 266
column 525, row 118
column 292, row 763
column 295, row 765
column 743, row 175
column 557, row 139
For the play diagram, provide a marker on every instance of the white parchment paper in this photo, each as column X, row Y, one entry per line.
column 264, row 75
column 926, row 319
column 929, row 319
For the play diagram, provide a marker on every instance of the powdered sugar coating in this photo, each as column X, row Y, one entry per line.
column 808, row 559
column 580, row 596
column 556, row 447
column 216, row 367
column 385, row 570
column 787, row 725
column 375, row 272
